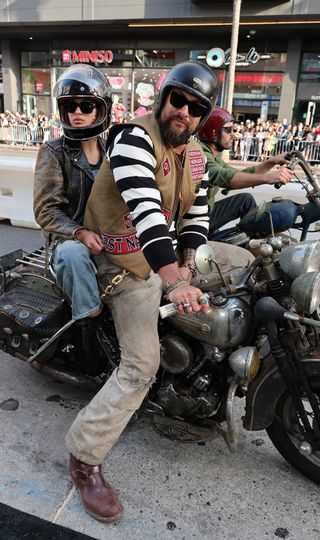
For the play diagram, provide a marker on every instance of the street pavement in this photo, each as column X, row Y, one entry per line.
column 168, row 490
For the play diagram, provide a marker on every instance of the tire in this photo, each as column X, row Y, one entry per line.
column 287, row 443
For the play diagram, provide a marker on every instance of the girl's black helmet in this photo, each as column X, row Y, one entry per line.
column 84, row 81
column 195, row 78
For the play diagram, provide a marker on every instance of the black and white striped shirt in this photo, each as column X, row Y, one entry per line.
column 132, row 160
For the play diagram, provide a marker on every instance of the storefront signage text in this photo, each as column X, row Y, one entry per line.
column 256, row 78
column 217, row 57
column 100, row 56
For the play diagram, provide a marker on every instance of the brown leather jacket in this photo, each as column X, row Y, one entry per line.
column 62, row 184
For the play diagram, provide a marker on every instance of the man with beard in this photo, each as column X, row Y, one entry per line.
column 216, row 135
column 148, row 201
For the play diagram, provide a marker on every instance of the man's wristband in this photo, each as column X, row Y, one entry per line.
column 181, row 281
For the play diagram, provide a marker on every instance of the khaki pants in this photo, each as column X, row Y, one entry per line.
column 135, row 309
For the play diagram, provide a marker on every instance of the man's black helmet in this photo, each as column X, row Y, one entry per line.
column 84, row 81
column 193, row 77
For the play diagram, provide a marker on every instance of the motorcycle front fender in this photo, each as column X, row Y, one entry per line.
column 265, row 390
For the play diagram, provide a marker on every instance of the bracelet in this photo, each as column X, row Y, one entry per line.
column 191, row 268
column 167, row 290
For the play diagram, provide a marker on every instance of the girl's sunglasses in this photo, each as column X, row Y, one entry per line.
column 86, row 107
column 178, row 101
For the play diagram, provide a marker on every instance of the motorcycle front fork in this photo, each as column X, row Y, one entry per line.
column 291, row 370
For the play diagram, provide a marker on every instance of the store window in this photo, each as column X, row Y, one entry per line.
column 310, row 67
column 35, row 59
column 36, row 91
column 146, row 84
column 154, row 58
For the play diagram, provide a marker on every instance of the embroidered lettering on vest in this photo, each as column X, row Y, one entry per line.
column 121, row 244
column 197, row 164
column 165, row 167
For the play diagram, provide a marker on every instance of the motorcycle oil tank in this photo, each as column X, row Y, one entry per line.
column 283, row 212
column 227, row 324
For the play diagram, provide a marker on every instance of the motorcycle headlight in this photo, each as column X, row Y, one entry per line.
column 245, row 362
column 297, row 259
column 305, row 291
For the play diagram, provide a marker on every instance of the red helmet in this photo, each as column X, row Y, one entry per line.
column 210, row 132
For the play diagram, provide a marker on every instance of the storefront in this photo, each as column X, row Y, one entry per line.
column 307, row 108
column 258, row 80
column 135, row 77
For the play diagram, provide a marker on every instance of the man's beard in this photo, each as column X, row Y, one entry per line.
column 171, row 137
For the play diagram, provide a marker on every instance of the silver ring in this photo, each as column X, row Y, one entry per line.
column 186, row 305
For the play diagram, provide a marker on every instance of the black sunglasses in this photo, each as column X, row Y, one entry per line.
column 86, row 107
column 228, row 129
column 178, row 101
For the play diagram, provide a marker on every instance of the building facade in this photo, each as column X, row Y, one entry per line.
column 278, row 64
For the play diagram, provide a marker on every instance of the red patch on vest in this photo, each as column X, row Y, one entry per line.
column 127, row 220
column 165, row 167
column 120, row 244
column 197, row 164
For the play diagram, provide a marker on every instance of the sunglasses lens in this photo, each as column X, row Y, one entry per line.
column 178, row 101
column 86, row 107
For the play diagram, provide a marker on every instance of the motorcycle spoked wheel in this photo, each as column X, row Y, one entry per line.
column 286, row 442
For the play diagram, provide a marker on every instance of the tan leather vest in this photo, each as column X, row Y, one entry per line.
column 108, row 214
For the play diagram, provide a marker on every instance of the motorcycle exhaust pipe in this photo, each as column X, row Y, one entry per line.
column 67, row 375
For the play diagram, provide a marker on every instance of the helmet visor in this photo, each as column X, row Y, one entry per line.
column 86, row 105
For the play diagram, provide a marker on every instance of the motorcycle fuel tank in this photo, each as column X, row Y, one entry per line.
column 226, row 324
column 283, row 213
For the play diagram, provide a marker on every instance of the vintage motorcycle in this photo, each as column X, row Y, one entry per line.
column 259, row 341
column 278, row 215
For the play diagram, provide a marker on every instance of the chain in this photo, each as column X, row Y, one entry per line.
column 114, row 282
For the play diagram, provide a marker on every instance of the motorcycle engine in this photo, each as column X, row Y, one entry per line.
column 226, row 324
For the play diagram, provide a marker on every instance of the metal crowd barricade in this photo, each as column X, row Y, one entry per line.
column 310, row 150
column 26, row 136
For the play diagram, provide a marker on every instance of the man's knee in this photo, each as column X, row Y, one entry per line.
column 71, row 254
column 140, row 373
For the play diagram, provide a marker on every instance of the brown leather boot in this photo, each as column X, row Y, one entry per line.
column 98, row 497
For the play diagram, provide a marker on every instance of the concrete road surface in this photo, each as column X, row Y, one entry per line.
column 168, row 490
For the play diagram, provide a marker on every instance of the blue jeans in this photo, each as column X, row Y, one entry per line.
column 76, row 276
column 228, row 209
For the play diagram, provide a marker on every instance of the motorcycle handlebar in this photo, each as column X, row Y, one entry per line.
column 297, row 158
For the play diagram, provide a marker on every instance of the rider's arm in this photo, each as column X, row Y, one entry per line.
column 242, row 179
column 132, row 160
column 50, row 199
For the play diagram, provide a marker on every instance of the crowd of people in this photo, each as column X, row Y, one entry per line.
column 258, row 140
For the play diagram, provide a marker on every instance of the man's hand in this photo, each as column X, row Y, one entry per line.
column 279, row 176
column 90, row 239
column 279, row 159
column 186, row 298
